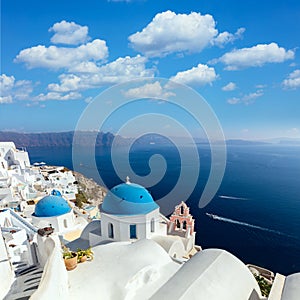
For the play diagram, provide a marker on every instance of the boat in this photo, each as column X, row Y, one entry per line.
column 212, row 216
column 39, row 164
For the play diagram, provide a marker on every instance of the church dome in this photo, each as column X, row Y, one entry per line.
column 128, row 199
column 51, row 206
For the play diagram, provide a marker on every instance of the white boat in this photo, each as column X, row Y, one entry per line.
column 212, row 216
column 39, row 164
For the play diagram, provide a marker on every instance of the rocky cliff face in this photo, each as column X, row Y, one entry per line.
column 93, row 192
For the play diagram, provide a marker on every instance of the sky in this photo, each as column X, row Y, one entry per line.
column 242, row 57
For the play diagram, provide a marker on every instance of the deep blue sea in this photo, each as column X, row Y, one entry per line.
column 257, row 205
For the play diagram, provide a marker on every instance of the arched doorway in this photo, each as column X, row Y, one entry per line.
column 110, row 230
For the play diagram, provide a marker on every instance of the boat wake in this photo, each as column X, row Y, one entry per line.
column 215, row 217
column 232, row 198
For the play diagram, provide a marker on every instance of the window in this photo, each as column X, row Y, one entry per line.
column 110, row 230
column 133, row 231
column 152, row 225
column 65, row 223
column 177, row 223
column 184, row 225
column 182, row 210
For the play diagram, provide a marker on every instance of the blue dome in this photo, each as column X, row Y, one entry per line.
column 51, row 206
column 55, row 193
column 128, row 199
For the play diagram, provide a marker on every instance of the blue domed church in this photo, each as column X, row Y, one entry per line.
column 128, row 212
column 53, row 210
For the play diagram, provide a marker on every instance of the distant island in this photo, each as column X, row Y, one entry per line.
column 65, row 139
column 51, row 139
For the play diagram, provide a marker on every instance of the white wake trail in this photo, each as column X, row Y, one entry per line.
column 232, row 198
column 219, row 218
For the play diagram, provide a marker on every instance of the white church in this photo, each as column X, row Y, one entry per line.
column 129, row 213
column 55, row 211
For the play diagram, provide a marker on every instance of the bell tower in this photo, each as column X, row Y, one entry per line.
column 181, row 221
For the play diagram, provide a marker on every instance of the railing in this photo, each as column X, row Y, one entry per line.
column 25, row 223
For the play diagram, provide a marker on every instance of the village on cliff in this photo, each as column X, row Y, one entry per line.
column 50, row 215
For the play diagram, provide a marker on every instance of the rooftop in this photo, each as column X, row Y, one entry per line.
column 51, row 206
column 128, row 199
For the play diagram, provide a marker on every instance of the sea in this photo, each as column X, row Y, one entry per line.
column 255, row 214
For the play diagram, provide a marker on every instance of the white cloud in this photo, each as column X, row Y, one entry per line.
column 22, row 89
column 234, row 100
column 231, row 86
column 69, row 33
column 125, row 68
column 11, row 90
column 255, row 56
column 6, row 83
column 246, row 99
column 261, row 86
column 293, row 132
column 226, row 37
column 120, row 70
column 128, row 66
column 84, row 67
column 149, row 90
column 250, row 98
column 68, row 82
column 6, row 99
column 54, row 57
column 58, row 96
column 200, row 75
column 169, row 32
column 293, row 80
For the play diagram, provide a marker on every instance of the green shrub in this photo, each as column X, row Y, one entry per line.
column 265, row 287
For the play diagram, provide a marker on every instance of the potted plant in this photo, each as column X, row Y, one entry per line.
column 70, row 258
column 84, row 255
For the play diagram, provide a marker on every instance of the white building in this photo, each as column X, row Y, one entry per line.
column 20, row 182
column 129, row 213
column 55, row 211
column 11, row 156
column 18, row 235
column 60, row 179
column 16, row 183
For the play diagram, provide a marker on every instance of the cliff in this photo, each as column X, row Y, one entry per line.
column 58, row 139
column 92, row 191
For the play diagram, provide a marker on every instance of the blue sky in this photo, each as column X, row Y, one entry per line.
column 241, row 56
